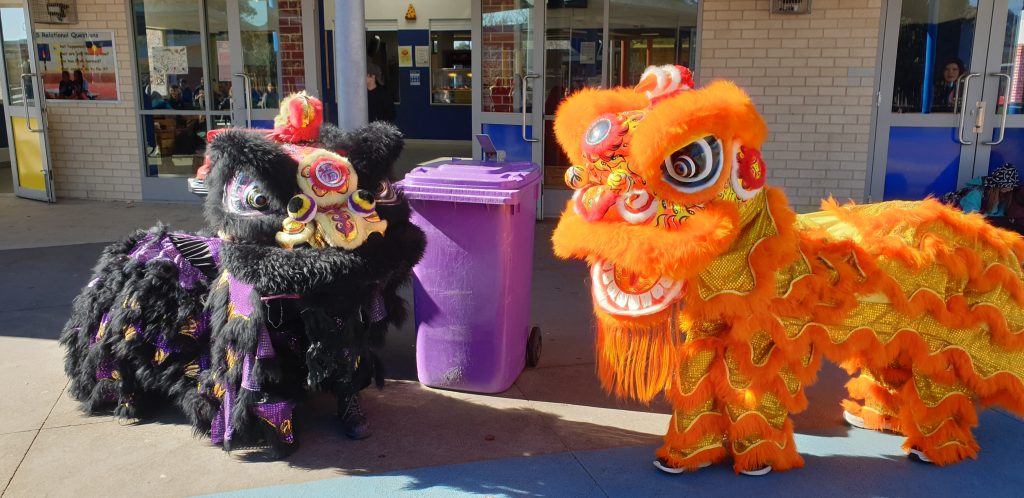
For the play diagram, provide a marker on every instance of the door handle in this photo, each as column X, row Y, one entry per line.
column 526, row 78
column 1006, row 107
column 247, row 89
column 27, row 77
column 960, row 131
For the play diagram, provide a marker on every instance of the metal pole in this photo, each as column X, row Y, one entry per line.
column 350, row 62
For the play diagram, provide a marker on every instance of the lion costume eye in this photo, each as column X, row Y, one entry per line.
column 243, row 196
column 694, row 167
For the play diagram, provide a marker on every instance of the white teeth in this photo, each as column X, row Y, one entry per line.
column 622, row 300
column 612, row 299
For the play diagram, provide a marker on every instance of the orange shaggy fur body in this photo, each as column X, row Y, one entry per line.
column 926, row 302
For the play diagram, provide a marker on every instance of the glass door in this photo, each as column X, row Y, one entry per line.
column 254, row 50
column 932, row 66
column 25, row 115
column 508, row 62
column 950, row 101
column 1001, row 139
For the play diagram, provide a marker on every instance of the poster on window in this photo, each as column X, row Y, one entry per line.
column 78, row 65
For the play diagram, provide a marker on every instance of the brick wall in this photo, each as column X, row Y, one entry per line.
column 94, row 146
column 812, row 78
column 293, row 66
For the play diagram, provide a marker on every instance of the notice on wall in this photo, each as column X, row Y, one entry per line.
column 168, row 60
column 414, row 78
column 423, row 56
column 588, row 52
column 405, row 56
column 78, row 65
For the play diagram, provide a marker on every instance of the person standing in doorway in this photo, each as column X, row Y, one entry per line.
column 380, row 105
column 944, row 99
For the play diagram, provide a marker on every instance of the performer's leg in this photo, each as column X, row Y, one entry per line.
column 696, row 432
column 874, row 397
column 759, row 429
column 937, row 417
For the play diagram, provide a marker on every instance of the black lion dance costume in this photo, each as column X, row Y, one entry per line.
column 293, row 283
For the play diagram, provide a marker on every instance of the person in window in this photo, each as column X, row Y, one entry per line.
column 380, row 105
column 269, row 99
column 65, row 89
column 944, row 99
column 175, row 100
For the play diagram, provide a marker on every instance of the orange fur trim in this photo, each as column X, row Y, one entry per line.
column 676, row 254
column 636, row 361
column 776, row 448
column 721, row 109
column 578, row 112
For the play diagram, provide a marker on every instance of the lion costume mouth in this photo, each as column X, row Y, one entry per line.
column 625, row 293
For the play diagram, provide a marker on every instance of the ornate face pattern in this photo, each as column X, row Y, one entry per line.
column 619, row 182
column 243, row 196
column 331, row 210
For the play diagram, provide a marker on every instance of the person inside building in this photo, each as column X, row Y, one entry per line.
column 944, row 99
column 380, row 105
column 175, row 99
column 269, row 98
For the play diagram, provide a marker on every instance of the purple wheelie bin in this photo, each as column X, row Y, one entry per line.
column 471, row 291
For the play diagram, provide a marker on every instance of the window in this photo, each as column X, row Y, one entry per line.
column 451, row 80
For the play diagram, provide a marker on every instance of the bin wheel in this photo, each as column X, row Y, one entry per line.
column 533, row 347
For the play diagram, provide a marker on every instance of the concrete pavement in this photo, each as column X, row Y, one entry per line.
column 554, row 433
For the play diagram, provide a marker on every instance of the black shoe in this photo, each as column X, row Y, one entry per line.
column 353, row 420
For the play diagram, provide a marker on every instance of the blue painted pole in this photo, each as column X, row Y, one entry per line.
column 350, row 62
column 929, row 57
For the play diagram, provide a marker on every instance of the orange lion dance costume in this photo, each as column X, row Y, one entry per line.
column 708, row 287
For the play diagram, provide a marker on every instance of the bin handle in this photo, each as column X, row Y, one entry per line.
column 526, row 78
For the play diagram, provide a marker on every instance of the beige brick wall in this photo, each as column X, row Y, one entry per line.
column 812, row 77
column 94, row 146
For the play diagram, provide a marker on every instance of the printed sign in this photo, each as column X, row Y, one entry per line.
column 422, row 56
column 405, row 56
column 78, row 65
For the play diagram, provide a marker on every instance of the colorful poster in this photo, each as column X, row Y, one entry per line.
column 78, row 65
column 405, row 56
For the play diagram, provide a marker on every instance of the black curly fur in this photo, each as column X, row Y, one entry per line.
column 318, row 339
column 237, row 151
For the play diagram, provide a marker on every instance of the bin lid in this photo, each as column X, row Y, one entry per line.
column 471, row 181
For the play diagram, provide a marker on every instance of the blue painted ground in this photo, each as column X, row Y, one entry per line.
column 845, row 462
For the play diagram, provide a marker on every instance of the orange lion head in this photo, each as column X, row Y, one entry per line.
column 662, row 173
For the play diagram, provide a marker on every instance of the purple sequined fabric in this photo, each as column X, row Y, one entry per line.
column 264, row 349
column 106, row 370
column 248, row 382
column 377, row 310
column 240, row 295
column 278, row 414
column 221, row 429
column 151, row 248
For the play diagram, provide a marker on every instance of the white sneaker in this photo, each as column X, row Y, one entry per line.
column 664, row 467
column 919, row 455
column 858, row 422
column 758, row 472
